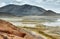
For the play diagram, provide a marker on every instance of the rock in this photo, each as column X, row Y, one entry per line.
column 7, row 29
column 9, row 36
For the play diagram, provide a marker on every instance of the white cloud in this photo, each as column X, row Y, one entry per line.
column 2, row 4
column 18, row 0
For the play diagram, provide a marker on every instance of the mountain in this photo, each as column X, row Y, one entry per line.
column 50, row 13
column 3, row 14
column 23, row 10
column 26, row 10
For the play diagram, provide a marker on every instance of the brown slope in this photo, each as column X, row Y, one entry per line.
column 9, row 31
column 7, row 27
column 9, row 36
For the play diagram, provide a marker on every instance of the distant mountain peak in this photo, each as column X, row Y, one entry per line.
column 51, row 11
column 10, row 4
column 27, row 5
column 26, row 10
column 22, row 10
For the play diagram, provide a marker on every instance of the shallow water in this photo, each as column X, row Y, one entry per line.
column 56, row 23
column 16, row 22
column 22, row 24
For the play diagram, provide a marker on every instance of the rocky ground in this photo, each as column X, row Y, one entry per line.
column 10, row 31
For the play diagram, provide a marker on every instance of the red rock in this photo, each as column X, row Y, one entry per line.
column 10, row 28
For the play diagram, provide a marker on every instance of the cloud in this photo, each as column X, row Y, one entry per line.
column 18, row 0
column 2, row 4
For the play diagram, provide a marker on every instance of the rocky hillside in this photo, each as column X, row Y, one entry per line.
column 9, row 31
column 23, row 10
column 26, row 10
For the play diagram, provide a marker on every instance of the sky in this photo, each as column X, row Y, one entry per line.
column 53, row 5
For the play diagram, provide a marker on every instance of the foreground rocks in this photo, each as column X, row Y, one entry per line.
column 10, row 31
column 9, row 36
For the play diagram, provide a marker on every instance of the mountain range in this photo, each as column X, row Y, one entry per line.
column 26, row 10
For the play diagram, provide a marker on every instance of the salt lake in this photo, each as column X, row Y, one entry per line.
column 16, row 21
